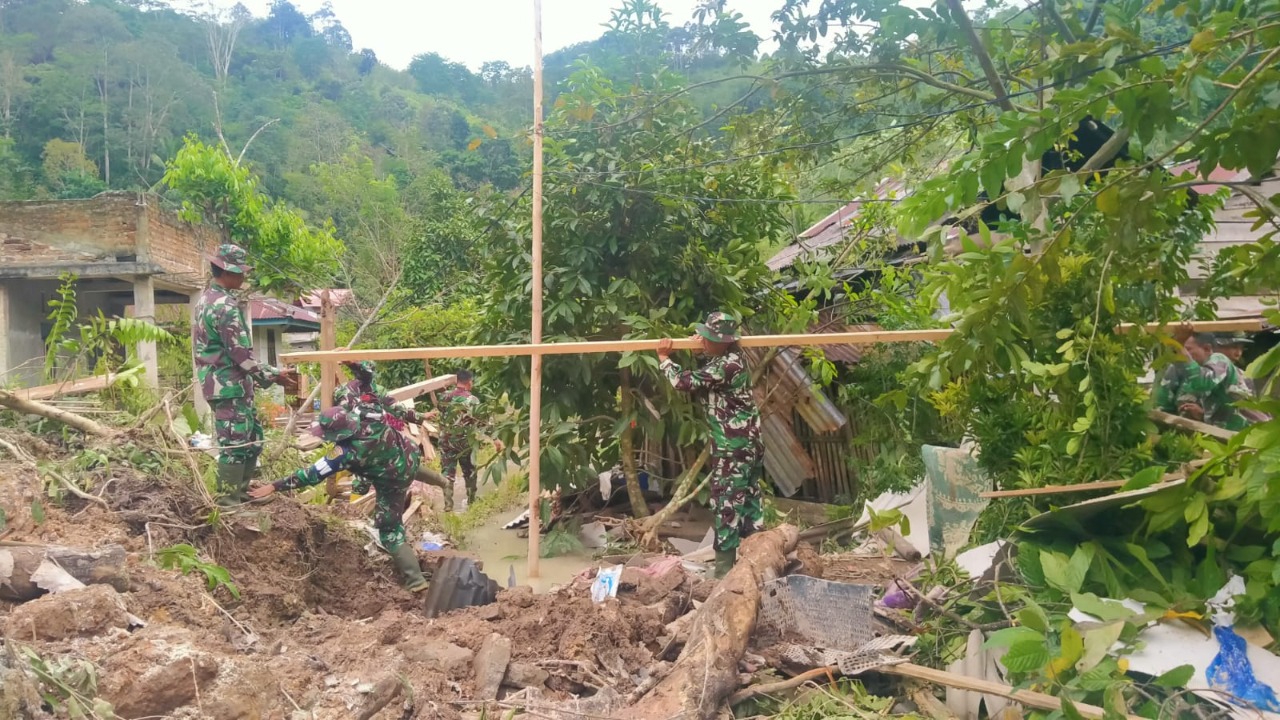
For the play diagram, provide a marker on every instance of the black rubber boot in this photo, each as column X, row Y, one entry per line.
column 232, row 485
column 724, row 562
column 406, row 561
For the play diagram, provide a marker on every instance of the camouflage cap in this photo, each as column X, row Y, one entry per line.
column 335, row 425
column 1232, row 338
column 720, row 328
column 231, row 258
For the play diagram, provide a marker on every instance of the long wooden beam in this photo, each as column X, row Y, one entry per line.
column 868, row 337
column 409, row 392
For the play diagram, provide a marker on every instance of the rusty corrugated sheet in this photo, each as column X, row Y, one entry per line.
column 785, row 459
column 813, row 404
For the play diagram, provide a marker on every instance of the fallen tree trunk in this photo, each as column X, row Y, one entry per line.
column 707, row 670
column 31, row 407
column 29, row 570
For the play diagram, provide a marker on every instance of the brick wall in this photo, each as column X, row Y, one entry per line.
column 105, row 229
column 72, row 231
column 178, row 247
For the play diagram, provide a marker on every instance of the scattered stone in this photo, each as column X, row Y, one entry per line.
column 646, row 588
column 521, row 597
column 491, row 666
column 807, row 560
column 491, row 613
column 88, row 611
column 159, row 693
column 443, row 656
column 331, row 681
column 364, row 688
column 525, row 675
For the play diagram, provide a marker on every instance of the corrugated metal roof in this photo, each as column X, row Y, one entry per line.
column 785, row 459
column 262, row 308
column 832, row 229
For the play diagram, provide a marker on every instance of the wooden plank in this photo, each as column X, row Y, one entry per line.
column 328, row 339
column 1181, row 423
column 1029, row 698
column 77, row 387
column 409, row 392
column 1100, row 485
column 867, row 337
column 1055, row 489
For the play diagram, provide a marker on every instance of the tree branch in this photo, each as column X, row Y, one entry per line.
column 1107, row 152
column 984, row 58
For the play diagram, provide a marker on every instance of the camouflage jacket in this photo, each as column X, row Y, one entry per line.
column 1170, row 382
column 364, row 394
column 1216, row 388
column 223, row 350
column 731, row 410
column 459, row 417
column 377, row 453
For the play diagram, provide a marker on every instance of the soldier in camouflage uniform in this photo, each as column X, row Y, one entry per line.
column 1210, row 395
column 376, row 451
column 227, row 373
column 1169, row 379
column 1232, row 345
column 363, row 396
column 459, row 426
column 737, row 454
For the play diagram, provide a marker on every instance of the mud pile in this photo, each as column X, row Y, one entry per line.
column 320, row 627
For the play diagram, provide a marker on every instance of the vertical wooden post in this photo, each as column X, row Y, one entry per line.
column 435, row 401
column 328, row 370
column 535, row 379
column 328, row 340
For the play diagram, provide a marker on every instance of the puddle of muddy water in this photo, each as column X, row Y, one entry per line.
column 503, row 551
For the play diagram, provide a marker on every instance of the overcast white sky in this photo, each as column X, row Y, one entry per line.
column 473, row 31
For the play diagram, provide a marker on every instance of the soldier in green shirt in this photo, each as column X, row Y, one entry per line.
column 227, row 373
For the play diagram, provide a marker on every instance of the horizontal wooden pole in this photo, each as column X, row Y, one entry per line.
column 868, row 337
column 1189, row 425
column 409, row 392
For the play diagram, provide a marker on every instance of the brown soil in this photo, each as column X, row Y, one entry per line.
column 318, row 624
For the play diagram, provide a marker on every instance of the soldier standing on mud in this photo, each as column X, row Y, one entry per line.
column 379, row 453
column 227, row 373
column 737, row 454
column 459, row 424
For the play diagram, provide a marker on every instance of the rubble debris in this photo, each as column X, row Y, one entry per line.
column 93, row 610
column 707, row 670
column 438, row 654
column 525, row 675
column 490, row 666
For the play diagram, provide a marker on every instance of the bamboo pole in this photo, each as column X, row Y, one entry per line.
column 869, row 337
column 535, row 373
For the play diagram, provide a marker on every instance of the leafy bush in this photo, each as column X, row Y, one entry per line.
column 184, row 558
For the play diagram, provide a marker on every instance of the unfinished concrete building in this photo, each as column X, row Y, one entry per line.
column 126, row 250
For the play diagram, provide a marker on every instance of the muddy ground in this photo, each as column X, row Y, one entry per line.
column 321, row 628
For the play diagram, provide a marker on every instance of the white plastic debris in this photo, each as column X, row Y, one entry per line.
column 606, row 584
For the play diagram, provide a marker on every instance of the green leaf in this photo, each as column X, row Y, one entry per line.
column 1068, row 187
column 1097, row 645
column 1033, row 617
column 1176, row 678
column 1026, row 656
column 1008, row 637
column 1146, row 478
column 1105, row 610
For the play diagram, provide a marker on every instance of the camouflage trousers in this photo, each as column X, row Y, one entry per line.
column 235, row 423
column 735, row 499
column 388, row 513
column 453, row 456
